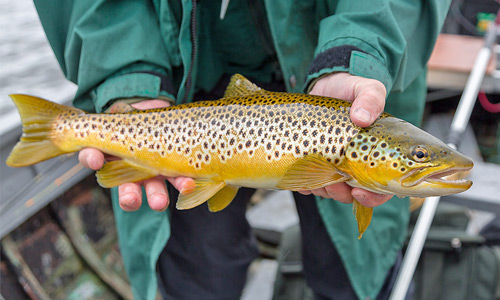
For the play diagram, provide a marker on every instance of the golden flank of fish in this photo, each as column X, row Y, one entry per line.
column 250, row 138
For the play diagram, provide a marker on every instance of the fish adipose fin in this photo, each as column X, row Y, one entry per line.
column 118, row 172
column 37, row 116
column 311, row 172
column 205, row 189
column 239, row 86
column 363, row 216
column 222, row 199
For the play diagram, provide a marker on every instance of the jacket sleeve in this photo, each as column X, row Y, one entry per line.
column 109, row 50
column 387, row 40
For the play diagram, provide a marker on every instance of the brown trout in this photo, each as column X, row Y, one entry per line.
column 250, row 138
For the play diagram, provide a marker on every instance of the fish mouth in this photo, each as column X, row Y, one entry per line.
column 446, row 178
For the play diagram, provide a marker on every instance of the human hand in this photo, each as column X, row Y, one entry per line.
column 368, row 101
column 130, row 194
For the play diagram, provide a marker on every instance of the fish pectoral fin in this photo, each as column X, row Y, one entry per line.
column 311, row 172
column 222, row 199
column 240, row 86
column 118, row 172
column 363, row 216
column 203, row 191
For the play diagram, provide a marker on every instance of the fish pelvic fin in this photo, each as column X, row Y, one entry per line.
column 222, row 199
column 205, row 189
column 118, row 172
column 363, row 216
column 36, row 143
column 240, row 86
column 311, row 172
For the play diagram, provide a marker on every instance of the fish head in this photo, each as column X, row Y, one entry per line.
column 395, row 157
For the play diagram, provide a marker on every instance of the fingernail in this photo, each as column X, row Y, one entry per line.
column 188, row 187
column 363, row 115
column 359, row 197
column 126, row 202
column 92, row 162
column 157, row 203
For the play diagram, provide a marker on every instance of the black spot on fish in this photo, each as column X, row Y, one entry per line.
column 342, row 151
column 354, row 155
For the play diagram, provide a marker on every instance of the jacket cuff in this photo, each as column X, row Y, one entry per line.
column 150, row 84
column 348, row 59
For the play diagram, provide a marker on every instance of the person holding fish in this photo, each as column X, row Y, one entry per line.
column 156, row 54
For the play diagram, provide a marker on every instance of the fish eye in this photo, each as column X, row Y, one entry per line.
column 420, row 154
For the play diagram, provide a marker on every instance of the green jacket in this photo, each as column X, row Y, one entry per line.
column 146, row 49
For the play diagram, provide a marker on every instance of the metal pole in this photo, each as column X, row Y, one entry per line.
column 458, row 126
column 414, row 250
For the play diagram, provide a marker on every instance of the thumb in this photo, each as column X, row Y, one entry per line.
column 369, row 101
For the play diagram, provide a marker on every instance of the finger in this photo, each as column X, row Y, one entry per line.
column 340, row 192
column 369, row 199
column 150, row 104
column 130, row 196
column 369, row 102
column 184, row 185
column 157, row 194
column 91, row 158
column 321, row 192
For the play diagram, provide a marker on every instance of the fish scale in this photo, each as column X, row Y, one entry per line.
column 251, row 138
column 204, row 138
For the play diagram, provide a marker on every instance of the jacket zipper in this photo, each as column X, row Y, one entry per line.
column 189, row 79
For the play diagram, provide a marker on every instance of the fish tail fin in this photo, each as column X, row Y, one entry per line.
column 36, row 143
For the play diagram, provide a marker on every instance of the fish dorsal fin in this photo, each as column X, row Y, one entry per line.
column 222, row 199
column 118, row 172
column 363, row 216
column 240, row 86
column 204, row 190
column 311, row 172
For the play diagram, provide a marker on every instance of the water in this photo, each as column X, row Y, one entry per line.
column 27, row 64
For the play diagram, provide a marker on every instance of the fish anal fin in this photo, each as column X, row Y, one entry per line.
column 311, row 172
column 222, row 198
column 204, row 190
column 363, row 216
column 240, row 86
column 118, row 172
